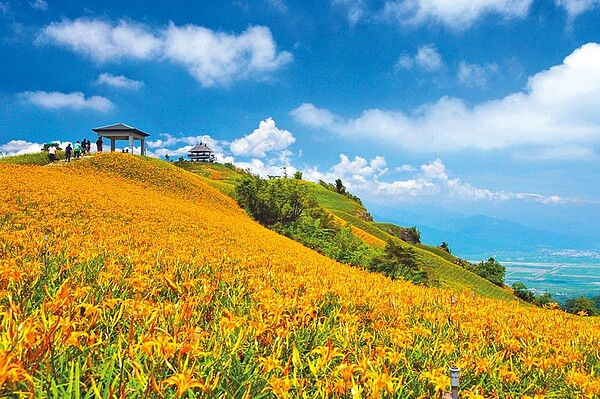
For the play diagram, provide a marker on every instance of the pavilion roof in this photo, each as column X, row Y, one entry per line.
column 119, row 127
column 200, row 148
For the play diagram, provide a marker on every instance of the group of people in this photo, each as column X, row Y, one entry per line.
column 78, row 149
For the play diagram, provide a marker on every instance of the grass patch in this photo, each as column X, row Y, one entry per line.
column 36, row 158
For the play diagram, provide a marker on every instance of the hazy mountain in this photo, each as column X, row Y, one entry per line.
column 481, row 234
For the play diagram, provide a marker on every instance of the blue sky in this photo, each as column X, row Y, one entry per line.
column 468, row 106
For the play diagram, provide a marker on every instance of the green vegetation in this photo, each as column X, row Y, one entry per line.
column 36, row 158
column 223, row 177
column 339, row 188
column 581, row 305
column 491, row 271
column 528, row 295
column 441, row 267
column 444, row 247
column 411, row 234
column 287, row 206
column 274, row 201
column 399, row 261
column 318, row 231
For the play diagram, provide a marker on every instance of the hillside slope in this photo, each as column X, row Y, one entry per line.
column 440, row 268
column 145, row 282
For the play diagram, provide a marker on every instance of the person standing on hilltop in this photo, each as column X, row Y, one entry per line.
column 68, row 151
column 52, row 153
column 99, row 143
column 88, row 147
column 77, row 150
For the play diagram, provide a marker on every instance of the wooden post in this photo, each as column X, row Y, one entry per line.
column 454, row 376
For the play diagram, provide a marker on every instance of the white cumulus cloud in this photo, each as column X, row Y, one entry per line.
column 266, row 138
column 457, row 14
column 268, row 168
column 18, row 147
column 405, row 168
column 102, row 40
column 427, row 58
column 213, row 58
column 75, row 100
column 557, row 108
column 118, row 81
column 360, row 168
column 313, row 116
column 178, row 146
column 431, row 181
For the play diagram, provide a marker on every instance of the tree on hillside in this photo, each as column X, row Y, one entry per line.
column 398, row 261
column 491, row 271
column 444, row 247
column 582, row 304
column 528, row 295
column 251, row 194
column 521, row 291
column 543, row 299
column 339, row 186
column 412, row 235
column 273, row 201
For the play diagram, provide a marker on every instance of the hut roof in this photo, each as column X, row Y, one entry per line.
column 201, row 148
column 119, row 127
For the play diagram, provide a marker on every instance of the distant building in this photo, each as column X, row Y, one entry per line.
column 201, row 153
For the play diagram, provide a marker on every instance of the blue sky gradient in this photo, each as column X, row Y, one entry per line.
column 471, row 107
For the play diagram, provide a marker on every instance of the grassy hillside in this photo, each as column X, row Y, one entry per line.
column 439, row 264
column 223, row 178
column 149, row 283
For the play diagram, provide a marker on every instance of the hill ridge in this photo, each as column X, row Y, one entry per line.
column 347, row 209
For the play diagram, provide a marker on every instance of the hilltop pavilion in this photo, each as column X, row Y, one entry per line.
column 201, row 153
column 121, row 131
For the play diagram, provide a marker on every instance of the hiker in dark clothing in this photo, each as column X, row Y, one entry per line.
column 99, row 143
column 68, row 152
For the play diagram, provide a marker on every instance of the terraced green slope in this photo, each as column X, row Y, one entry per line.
column 437, row 263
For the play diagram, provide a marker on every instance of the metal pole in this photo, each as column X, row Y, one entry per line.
column 454, row 375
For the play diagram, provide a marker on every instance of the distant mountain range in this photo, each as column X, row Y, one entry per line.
column 467, row 235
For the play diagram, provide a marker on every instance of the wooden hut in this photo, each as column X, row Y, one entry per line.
column 201, row 153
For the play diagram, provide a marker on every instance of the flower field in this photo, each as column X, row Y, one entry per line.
column 122, row 276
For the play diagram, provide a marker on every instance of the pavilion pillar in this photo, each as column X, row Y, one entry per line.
column 131, row 144
column 143, row 145
column 112, row 144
